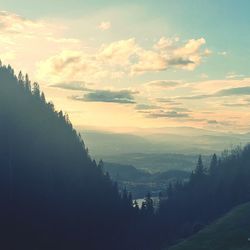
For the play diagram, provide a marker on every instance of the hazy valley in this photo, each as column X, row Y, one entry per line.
column 124, row 125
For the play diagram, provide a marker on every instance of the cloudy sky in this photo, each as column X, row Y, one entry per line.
column 118, row 65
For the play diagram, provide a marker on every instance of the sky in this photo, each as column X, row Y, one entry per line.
column 119, row 65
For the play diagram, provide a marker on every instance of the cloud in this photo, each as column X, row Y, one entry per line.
column 209, row 87
column 181, row 109
column 190, row 55
column 81, row 86
column 233, row 75
column 15, row 24
column 190, row 48
column 203, row 76
column 67, row 61
column 167, row 114
column 169, row 53
column 222, row 53
column 149, row 61
column 164, row 83
column 47, row 38
column 105, row 25
column 146, row 107
column 173, row 110
column 238, row 103
column 222, row 93
column 119, row 52
column 110, row 61
column 234, row 91
column 166, row 43
column 212, row 122
column 181, row 62
column 168, row 101
column 121, row 58
column 70, row 66
column 121, row 96
column 195, row 97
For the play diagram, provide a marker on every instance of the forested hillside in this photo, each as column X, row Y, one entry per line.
column 53, row 195
column 210, row 193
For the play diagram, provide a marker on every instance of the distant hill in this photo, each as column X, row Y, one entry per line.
column 101, row 143
column 161, row 140
column 125, row 172
column 157, row 162
column 140, row 182
column 231, row 232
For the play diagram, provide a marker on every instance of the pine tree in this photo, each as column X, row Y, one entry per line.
column 27, row 83
column 36, row 90
column 43, row 98
column 200, row 169
column 170, row 191
column 213, row 165
column 130, row 199
column 20, row 78
column 101, row 166
column 149, row 204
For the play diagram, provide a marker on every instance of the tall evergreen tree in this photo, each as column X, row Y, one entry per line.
column 213, row 165
column 200, row 169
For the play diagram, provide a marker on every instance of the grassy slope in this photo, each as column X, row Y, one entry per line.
column 228, row 233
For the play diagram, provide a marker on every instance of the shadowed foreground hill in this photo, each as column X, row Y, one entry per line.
column 52, row 194
column 231, row 232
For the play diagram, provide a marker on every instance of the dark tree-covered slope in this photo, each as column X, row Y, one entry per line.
column 209, row 194
column 52, row 194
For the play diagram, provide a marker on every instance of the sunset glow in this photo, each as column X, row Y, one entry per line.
column 121, row 65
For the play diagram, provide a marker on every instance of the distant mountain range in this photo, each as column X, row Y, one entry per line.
column 161, row 140
column 160, row 149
